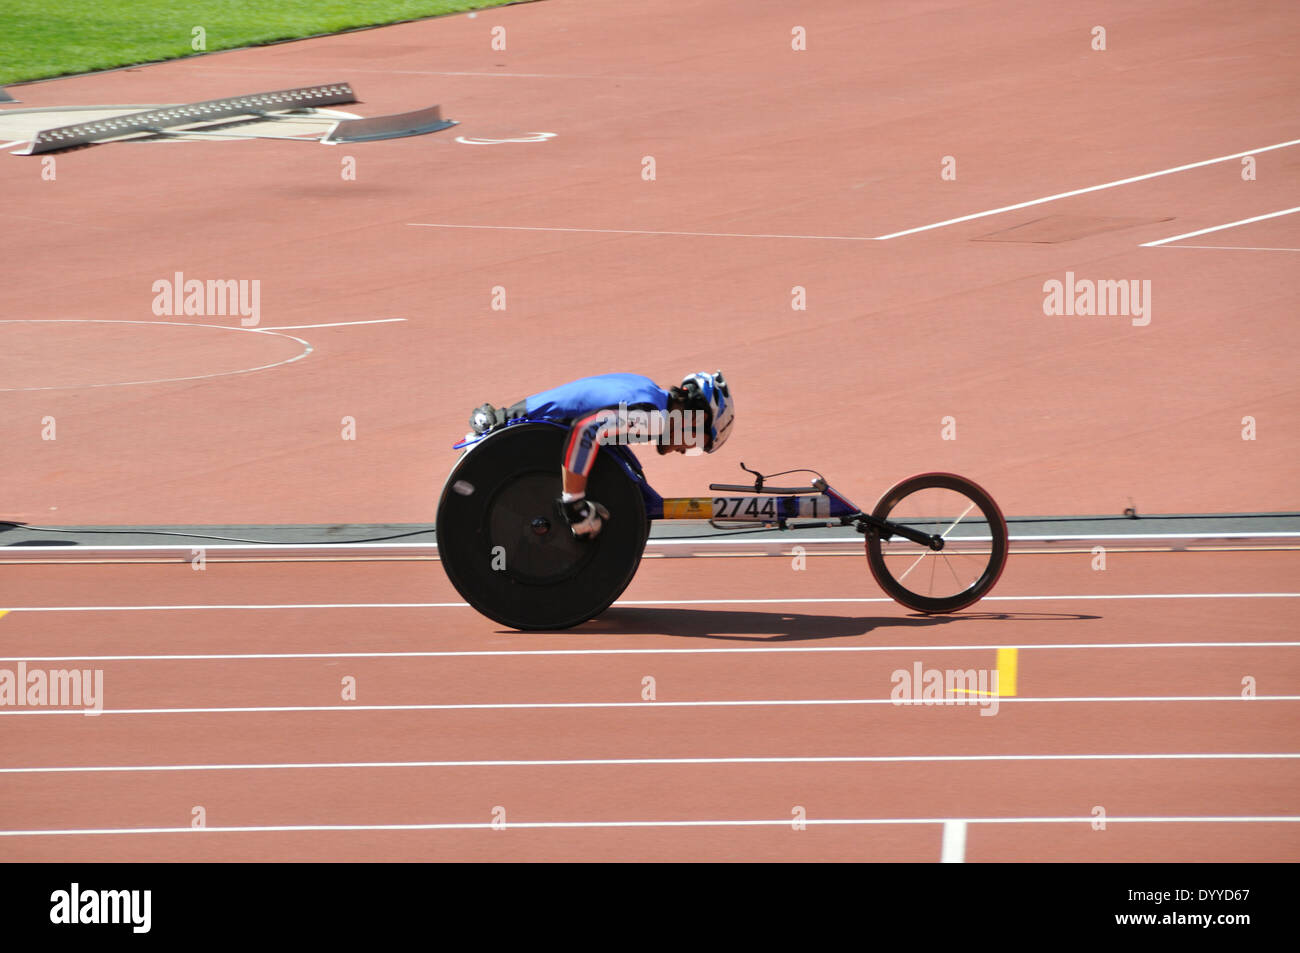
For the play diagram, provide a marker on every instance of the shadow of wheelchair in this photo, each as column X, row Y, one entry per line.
column 768, row 626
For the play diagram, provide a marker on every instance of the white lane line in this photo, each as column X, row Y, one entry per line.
column 434, row 72
column 597, row 825
column 1231, row 247
column 1219, row 228
column 765, row 650
column 16, row 142
column 621, row 762
column 647, row 602
column 539, row 706
column 285, row 605
column 953, row 850
column 335, row 324
column 658, row 541
column 641, row 231
column 1091, row 188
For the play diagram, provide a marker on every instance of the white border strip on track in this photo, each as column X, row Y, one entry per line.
column 599, row 825
column 667, row 546
column 568, row 706
column 727, row 650
column 855, row 600
column 651, row 762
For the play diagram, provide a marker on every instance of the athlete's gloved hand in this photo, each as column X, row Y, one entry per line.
column 585, row 517
column 483, row 418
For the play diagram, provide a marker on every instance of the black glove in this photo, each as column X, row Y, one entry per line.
column 585, row 517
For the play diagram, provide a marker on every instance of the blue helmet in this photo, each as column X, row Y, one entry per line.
column 713, row 391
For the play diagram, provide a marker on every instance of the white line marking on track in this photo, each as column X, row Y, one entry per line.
column 596, row 825
column 658, row 541
column 651, row 602
column 605, row 78
column 1091, row 188
column 273, row 331
column 307, row 349
column 620, row 762
column 539, row 706
column 763, row 650
column 639, row 231
column 1229, row 247
column 335, row 324
column 525, row 137
column 953, row 850
column 1219, row 228
column 287, row 605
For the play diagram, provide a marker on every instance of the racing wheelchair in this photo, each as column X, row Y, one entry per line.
column 935, row 543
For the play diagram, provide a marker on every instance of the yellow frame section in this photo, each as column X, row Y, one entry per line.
column 688, row 508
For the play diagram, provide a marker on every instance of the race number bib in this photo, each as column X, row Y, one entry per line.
column 745, row 508
column 768, row 507
column 814, row 506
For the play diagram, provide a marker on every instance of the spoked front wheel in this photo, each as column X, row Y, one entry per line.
column 973, row 547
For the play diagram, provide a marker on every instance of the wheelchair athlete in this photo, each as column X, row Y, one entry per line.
column 622, row 408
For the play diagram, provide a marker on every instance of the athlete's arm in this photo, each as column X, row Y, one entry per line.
column 582, row 446
column 586, row 434
column 575, row 484
column 585, row 516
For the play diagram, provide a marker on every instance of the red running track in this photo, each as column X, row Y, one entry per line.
column 804, row 685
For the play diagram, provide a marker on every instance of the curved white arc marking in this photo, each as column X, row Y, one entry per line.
column 526, row 137
column 307, row 349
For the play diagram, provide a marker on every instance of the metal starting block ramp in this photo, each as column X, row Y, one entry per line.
column 171, row 120
column 157, row 120
column 418, row 122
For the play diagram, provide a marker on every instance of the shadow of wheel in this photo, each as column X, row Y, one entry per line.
column 506, row 547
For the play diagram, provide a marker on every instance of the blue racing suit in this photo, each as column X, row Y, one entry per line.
column 586, row 405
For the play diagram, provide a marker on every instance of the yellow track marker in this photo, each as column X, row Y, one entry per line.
column 1006, row 688
column 1007, row 662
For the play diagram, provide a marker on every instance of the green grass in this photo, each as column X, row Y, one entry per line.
column 42, row 38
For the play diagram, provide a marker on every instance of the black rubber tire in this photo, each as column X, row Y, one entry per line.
column 997, row 556
column 505, row 544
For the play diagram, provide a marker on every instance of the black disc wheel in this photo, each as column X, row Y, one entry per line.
column 973, row 547
column 507, row 547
